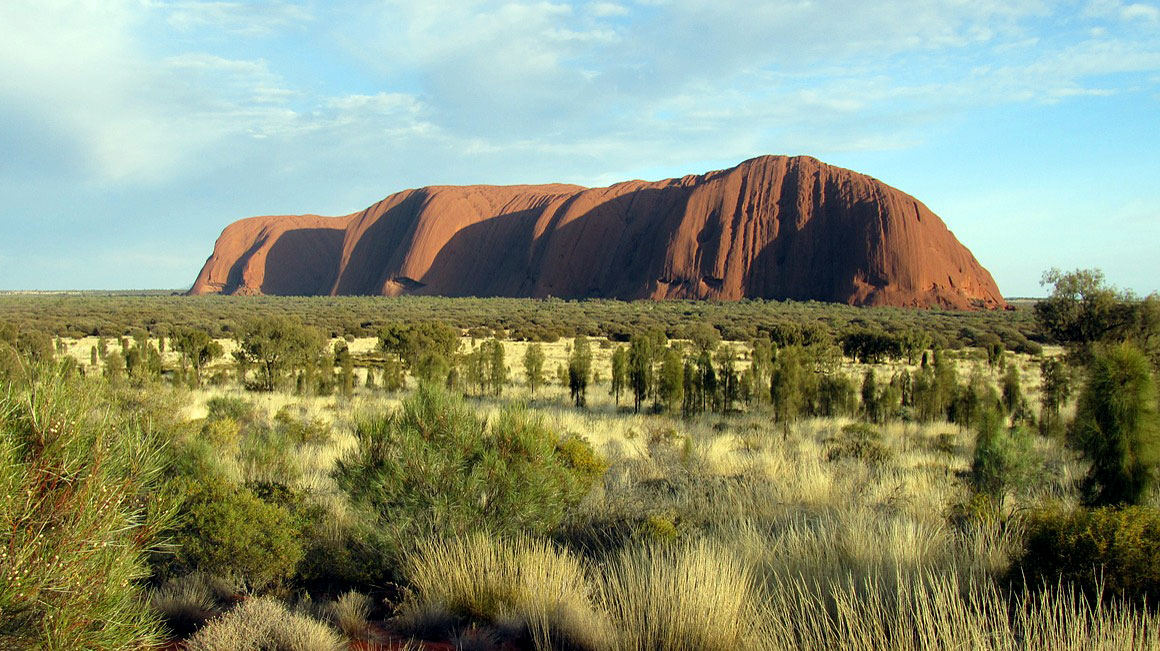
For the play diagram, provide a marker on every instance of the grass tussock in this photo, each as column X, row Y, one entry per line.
column 529, row 587
column 265, row 623
column 691, row 597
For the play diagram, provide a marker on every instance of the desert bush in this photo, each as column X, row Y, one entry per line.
column 859, row 441
column 264, row 623
column 222, row 433
column 434, row 468
column 1117, row 427
column 1004, row 460
column 239, row 410
column 79, row 511
column 1110, row 551
column 227, row 530
column 300, row 429
column 527, row 588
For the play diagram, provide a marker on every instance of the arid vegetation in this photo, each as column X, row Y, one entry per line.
column 658, row 476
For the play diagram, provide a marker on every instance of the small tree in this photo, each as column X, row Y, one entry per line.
column 1117, row 428
column 1012, row 392
column 640, row 361
column 785, row 387
column 534, row 366
column 871, row 400
column 580, row 370
column 619, row 373
column 497, row 370
column 672, row 379
column 275, row 345
column 1003, row 461
column 1055, row 392
column 345, row 361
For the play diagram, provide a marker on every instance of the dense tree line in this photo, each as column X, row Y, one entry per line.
column 782, row 322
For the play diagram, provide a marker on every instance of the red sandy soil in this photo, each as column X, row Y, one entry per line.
column 772, row 227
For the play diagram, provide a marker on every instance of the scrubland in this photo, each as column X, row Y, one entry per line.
column 145, row 512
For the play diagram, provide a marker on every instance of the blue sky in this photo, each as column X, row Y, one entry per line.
column 133, row 131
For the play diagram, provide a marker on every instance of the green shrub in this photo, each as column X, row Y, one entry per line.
column 1003, row 461
column 1113, row 549
column 222, row 433
column 229, row 531
column 433, row 468
column 237, row 409
column 300, row 429
column 79, row 511
column 1117, row 427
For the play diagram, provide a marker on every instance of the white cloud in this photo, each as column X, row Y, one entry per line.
column 239, row 18
column 1140, row 11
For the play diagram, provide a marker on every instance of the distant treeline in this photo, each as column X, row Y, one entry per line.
column 514, row 318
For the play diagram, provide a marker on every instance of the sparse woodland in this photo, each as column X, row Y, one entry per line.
column 513, row 474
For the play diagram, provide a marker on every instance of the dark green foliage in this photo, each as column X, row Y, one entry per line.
column 642, row 353
column 579, row 370
column 1109, row 551
column 619, row 372
column 393, row 374
column 238, row 410
column 410, row 342
column 276, row 345
column 431, row 367
column 836, row 396
column 787, row 382
column 1083, row 310
column 197, row 349
column 228, row 531
column 1012, row 393
column 1117, row 428
column 534, row 367
column 705, row 337
column 870, row 346
column 434, row 468
column 671, row 379
column 782, row 322
column 1003, row 460
column 1056, row 389
column 726, row 359
column 345, row 363
column 872, row 409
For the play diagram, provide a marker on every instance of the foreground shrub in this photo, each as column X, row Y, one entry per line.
column 1117, row 427
column 434, row 469
column 1113, row 551
column 228, row 531
column 535, row 591
column 78, row 514
column 264, row 623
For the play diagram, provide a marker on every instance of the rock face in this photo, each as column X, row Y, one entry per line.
column 773, row 227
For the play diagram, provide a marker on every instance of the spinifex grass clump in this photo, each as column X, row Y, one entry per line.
column 78, row 511
column 532, row 590
column 694, row 597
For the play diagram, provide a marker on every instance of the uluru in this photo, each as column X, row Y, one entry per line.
column 773, row 227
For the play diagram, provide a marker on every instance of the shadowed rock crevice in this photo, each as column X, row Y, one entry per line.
column 773, row 227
